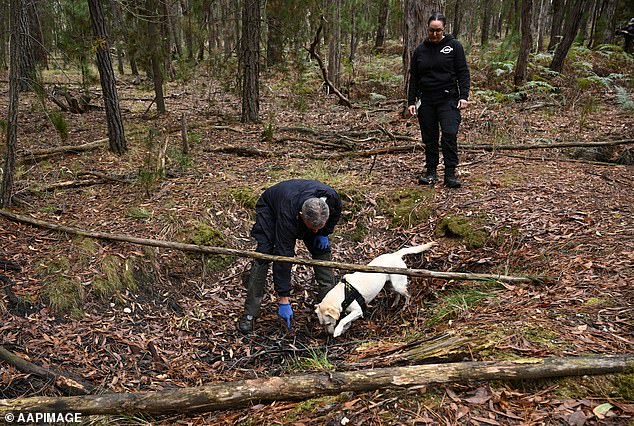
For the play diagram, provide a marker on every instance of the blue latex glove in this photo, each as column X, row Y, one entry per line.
column 322, row 243
column 285, row 312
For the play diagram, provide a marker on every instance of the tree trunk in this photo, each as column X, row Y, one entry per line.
column 381, row 29
column 334, row 41
column 274, row 35
column 526, row 43
column 571, row 27
column 35, row 30
column 486, row 23
column 540, row 27
column 155, row 54
column 116, row 133
column 28, row 70
column 227, row 395
column 250, row 61
column 457, row 18
column 5, row 34
column 6, row 192
column 415, row 16
column 186, row 7
column 555, row 26
column 608, row 22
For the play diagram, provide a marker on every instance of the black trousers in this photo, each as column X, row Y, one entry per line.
column 440, row 110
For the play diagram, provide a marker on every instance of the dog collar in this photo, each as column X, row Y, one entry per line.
column 350, row 295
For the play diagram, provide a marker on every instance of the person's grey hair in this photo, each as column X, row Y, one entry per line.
column 315, row 211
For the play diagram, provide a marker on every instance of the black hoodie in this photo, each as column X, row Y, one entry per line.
column 436, row 67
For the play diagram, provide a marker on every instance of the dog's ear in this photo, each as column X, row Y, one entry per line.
column 332, row 312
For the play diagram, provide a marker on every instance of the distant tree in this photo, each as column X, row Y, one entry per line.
column 381, row 29
column 16, row 9
column 333, row 20
column 5, row 34
column 525, row 44
column 557, row 12
column 116, row 134
column 457, row 18
column 571, row 27
column 415, row 16
column 250, row 61
column 35, row 30
column 154, row 45
column 485, row 25
column 603, row 25
column 274, row 33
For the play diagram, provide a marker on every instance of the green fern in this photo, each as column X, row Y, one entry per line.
column 623, row 98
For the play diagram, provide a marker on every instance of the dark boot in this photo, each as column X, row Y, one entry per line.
column 451, row 181
column 429, row 178
column 324, row 277
column 255, row 294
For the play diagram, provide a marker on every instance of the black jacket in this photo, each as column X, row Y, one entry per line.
column 278, row 226
column 436, row 67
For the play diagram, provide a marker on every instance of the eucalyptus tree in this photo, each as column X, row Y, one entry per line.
column 415, row 16
column 576, row 11
column 16, row 9
column 249, row 51
column 381, row 28
column 28, row 68
column 116, row 135
column 332, row 32
column 526, row 43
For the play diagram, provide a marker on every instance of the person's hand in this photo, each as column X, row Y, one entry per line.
column 285, row 312
column 412, row 109
column 322, row 243
column 463, row 103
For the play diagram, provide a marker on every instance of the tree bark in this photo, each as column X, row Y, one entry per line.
column 155, row 54
column 116, row 133
column 457, row 18
column 526, row 43
column 28, row 70
column 486, row 22
column 6, row 191
column 571, row 27
column 250, row 61
column 333, row 29
column 255, row 255
column 234, row 394
column 415, row 16
column 381, row 29
column 557, row 21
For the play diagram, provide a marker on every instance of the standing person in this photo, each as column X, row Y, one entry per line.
column 291, row 210
column 439, row 80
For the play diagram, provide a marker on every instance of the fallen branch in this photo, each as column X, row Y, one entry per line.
column 324, row 73
column 233, row 394
column 255, row 255
column 62, row 381
column 545, row 145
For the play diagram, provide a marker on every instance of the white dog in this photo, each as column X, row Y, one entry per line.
column 355, row 290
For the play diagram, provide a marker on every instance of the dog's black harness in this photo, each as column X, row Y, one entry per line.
column 350, row 295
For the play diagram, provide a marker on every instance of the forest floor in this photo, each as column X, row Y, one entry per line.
column 130, row 318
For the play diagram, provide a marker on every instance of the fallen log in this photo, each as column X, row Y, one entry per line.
column 255, row 255
column 234, row 394
column 63, row 381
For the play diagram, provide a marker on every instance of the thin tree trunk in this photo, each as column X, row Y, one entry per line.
column 486, row 23
column 226, row 395
column 381, row 29
column 457, row 18
column 557, row 21
column 35, row 30
column 250, row 61
column 119, row 33
column 571, row 27
column 155, row 54
column 526, row 43
column 334, row 41
column 116, row 133
column 6, row 192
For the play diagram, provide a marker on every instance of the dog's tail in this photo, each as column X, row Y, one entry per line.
column 416, row 249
